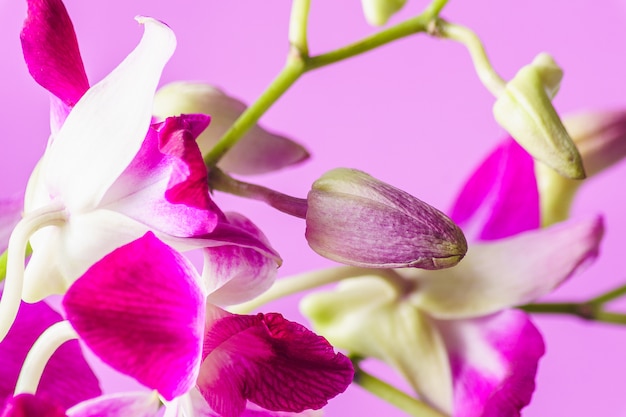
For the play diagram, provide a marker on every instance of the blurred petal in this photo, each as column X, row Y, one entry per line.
column 277, row 364
column 67, row 377
column 365, row 317
column 105, row 129
column 51, row 51
column 234, row 274
column 141, row 311
column 165, row 186
column 500, row 199
column 258, row 151
column 508, row 272
column 29, row 405
column 135, row 404
column 494, row 362
column 355, row 219
column 10, row 214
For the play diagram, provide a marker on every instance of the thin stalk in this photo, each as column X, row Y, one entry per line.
column 310, row 280
column 298, row 26
column 394, row 396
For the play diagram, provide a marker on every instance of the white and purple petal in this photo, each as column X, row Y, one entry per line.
column 106, row 128
column 233, row 274
column 508, row 272
column 276, row 364
column 494, row 361
column 67, row 377
column 500, row 199
column 165, row 186
column 141, row 310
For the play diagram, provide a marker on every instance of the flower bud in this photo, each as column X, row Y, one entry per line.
column 525, row 110
column 358, row 220
column 258, row 151
column 601, row 139
column 378, row 12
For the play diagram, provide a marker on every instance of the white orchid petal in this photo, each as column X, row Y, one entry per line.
column 105, row 129
column 508, row 272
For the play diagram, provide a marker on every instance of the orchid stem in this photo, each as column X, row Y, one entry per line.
column 393, row 396
column 299, row 62
column 488, row 76
column 39, row 355
column 293, row 206
column 310, row 280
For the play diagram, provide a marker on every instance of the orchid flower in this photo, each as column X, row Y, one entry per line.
column 186, row 342
column 258, row 151
column 451, row 332
column 510, row 192
column 108, row 176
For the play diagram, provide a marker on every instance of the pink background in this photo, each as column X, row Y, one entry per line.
column 412, row 113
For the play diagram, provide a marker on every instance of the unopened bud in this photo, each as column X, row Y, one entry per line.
column 378, row 12
column 358, row 220
column 525, row 110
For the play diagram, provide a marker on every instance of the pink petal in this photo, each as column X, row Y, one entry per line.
column 165, row 186
column 277, row 364
column 494, row 362
column 51, row 51
column 508, row 272
column 135, row 404
column 234, row 274
column 500, row 199
column 141, row 311
column 10, row 215
column 67, row 377
column 28, row 405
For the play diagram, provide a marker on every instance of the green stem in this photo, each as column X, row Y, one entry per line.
column 393, row 396
column 285, row 79
column 298, row 26
column 488, row 76
column 586, row 311
column 299, row 62
column 609, row 296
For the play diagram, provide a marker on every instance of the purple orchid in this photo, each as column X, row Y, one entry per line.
column 108, row 175
column 185, row 342
column 451, row 332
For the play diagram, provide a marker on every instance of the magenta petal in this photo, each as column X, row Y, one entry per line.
column 276, row 364
column 51, row 51
column 28, row 405
column 234, row 274
column 501, row 198
column 494, row 362
column 67, row 378
column 140, row 310
column 165, row 186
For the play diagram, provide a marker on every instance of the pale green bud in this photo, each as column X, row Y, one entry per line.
column 378, row 12
column 525, row 110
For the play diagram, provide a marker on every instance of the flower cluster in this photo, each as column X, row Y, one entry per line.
column 124, row 194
